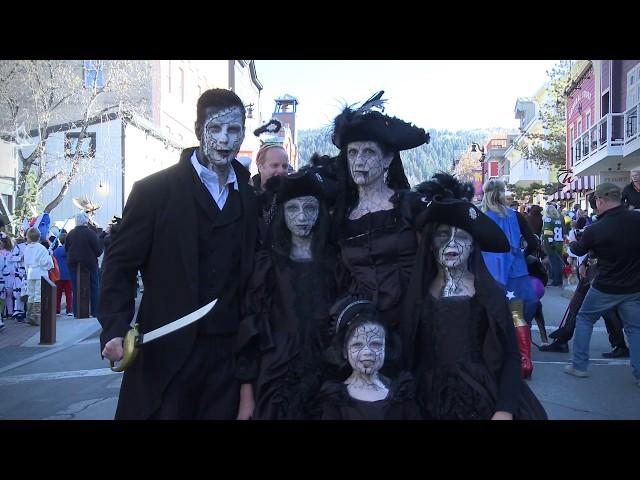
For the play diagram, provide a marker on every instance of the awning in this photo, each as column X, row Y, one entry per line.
column 560, row 196
column 581, row 184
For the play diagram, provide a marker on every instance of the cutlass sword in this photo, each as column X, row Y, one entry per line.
column 134, row 339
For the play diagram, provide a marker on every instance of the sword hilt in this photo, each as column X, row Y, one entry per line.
column 130, row 347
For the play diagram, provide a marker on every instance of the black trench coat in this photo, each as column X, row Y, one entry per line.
column 158, row 236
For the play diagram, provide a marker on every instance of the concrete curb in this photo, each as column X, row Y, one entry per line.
column 68, row 333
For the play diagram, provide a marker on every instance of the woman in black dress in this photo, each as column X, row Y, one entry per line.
column 458, row 337
column 286, row 313
column 376, row 239
column 365, row 394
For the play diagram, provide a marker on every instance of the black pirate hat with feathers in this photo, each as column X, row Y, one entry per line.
column 366, row 124
column 445, row 200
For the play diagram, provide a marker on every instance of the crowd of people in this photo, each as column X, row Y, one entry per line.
column 342, row 292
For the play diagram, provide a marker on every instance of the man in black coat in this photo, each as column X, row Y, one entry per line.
column 207, row 254
column 631, row 193
column 83, row 248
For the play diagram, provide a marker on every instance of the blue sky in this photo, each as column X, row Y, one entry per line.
column 443, row 94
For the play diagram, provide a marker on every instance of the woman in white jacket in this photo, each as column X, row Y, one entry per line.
column 37, row 262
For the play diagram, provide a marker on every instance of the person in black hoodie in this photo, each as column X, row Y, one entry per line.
column 614, row 240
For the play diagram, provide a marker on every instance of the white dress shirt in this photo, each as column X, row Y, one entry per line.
column 210, row 180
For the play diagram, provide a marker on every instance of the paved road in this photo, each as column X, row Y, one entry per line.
column 74, row 383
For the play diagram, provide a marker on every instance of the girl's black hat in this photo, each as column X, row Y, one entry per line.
column 445, row 200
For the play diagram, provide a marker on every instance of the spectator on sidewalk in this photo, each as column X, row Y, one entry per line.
column 83, row 249
column 565, row 331
column 38, row 262
column 64, row 284
column 631, row 193
column 614, row 240
column 552, row 241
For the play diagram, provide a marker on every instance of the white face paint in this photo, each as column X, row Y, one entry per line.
column 366, row 162
column 223, row 133
column 365, row 348
column 301, row 214
column 452, row 246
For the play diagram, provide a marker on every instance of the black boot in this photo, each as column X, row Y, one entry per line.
column 555, row 346
column 618, row 352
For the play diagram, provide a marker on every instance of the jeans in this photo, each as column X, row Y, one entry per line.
column 597, row 303
column 555, row 260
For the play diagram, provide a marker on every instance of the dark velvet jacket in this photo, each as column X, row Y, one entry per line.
column 159, row 236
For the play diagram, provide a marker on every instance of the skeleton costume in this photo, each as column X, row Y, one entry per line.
column 460, row 342
column 285, row 321
column 378, row 245
column 358, row 331
column 16, row 262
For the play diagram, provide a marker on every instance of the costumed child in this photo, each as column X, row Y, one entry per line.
column 458, row 337
column 359, row 349
column 285, row 324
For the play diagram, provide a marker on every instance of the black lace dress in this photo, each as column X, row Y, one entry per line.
column 454, row 380
column 377, row 251
column 337, row 404
column 283, row 334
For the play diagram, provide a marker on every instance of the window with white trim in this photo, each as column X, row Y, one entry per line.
column 633, row 86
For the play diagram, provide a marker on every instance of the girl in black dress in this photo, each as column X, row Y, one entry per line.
column 365, row 394
column 458, row 337
column 286, row 313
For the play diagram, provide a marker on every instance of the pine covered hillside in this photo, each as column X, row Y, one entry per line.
column 419, row 163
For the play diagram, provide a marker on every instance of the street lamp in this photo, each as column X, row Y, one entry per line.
column 475, row 148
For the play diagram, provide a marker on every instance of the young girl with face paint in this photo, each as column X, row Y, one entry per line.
column 376, row 238
column 458, row 337
column 359, row 350
column 286, row 313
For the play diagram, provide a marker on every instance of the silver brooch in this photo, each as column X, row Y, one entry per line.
column 472, row 213
column 318, row 176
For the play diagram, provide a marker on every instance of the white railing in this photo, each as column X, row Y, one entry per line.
column 526, row 170
column 631, row 124
column 607, row 132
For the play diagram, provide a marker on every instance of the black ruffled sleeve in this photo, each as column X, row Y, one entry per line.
column 253, row 332
column 332, row 396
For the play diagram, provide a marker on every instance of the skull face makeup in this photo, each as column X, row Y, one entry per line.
column 222, row 136
column 366, row 162
column 301, row 214
column 452, row 246
column 365, row 348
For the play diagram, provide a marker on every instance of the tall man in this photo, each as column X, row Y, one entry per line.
column 207, row 254
column 615, row 242
column 631, row 193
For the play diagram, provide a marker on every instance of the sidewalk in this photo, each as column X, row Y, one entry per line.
column 20, row 342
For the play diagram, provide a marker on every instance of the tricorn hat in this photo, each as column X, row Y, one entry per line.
column 301, row 184
column 445, row 200
column 365, row 124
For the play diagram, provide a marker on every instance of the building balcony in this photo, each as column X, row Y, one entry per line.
column 524, row 172
column 631, row 133
column 599, row 148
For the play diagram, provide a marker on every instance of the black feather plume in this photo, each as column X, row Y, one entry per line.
column 272, row 126
column 445, row 185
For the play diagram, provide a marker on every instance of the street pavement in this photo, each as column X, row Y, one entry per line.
column 69, row 380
